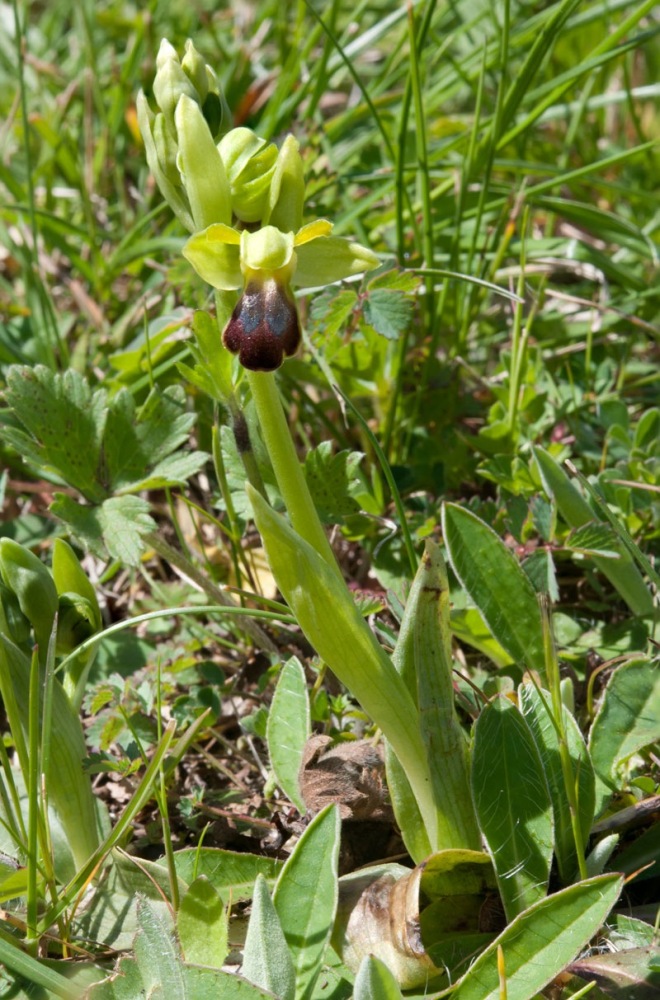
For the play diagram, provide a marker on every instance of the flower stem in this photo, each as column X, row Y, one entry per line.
column 287, row 468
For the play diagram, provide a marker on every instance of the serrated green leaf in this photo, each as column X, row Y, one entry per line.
column 115, row 527
column 331, row 310
column 288, row 729
column 540, row 943
column 330, row 479
column 628, row 720
column 135, row 442
column 396, row 279
column 497, row 584
column 202, row 924
column 305, row 896
column 594, row 538
column 266, row 958
column 513, row 805
column 65, row 421
column 173, row 470
column 388, row 312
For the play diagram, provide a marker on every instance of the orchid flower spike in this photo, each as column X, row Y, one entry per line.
column 243, row 200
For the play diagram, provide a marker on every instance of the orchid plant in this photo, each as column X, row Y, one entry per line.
column 243, row 201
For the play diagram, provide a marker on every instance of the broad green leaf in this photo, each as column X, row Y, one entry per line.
column 329, row 618
column 374, row 981
column 305, row 896
column 622, row 574
column 64, row 421
column 231, row 873
column 158, row 972
column 467, row 624
column 513, row 804
column 288, row 729
column 629, row 932
column 155, row 970
column 69, row 789
column 202, row 924
column 601, row 853
column 595, row 539
column 642, row 856
column 627, row 721
column 116, row 527
column 156, row 955
column 110, row 916
column 623, row 974
column 266, row 957
column 535, row 707
column 330, row 478
column 213, row 984
column 541, row 942
column 497, row 584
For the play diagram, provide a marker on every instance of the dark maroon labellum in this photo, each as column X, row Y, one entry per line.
column 264, row 326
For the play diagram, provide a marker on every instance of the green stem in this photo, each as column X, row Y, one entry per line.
column 288, row 472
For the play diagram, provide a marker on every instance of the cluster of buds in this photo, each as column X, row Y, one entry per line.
column 243, row 200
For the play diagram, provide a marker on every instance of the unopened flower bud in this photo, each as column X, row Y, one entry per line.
column 249, row 163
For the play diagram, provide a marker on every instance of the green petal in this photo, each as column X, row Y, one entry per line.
column 320, row 227
column 287, row 189
column 250, row 164
column 201, row 166
column 331, row 258
column 215, row 260
column 266, row 250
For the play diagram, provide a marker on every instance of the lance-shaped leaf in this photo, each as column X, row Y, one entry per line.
column 535, row 706
column 374, row 981
column 329, row 618
column 288, row 729
column 540, row 942
column 305, row 897
column 628, row 720
column 513, row 804
column 266, row 957
column 69, row 789
column 497, row 584
column 622, row 574
column 423, row 658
